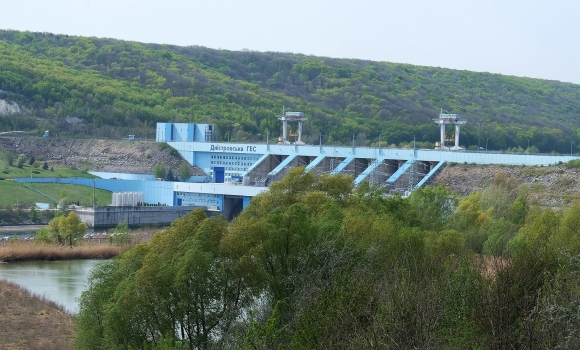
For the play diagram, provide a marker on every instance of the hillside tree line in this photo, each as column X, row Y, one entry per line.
column 110, row 88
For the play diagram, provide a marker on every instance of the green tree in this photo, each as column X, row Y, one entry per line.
column 45, row 166
column 178, row 288
column 10, row 158
column 64, row 229
column 43, row 235
column 500, row 196
column 568, row 237
column 121, row 233
column 469, row 218
column 160, row 171
column 21, row 160
column 170, row 176
column 499, row 233
column 185, row 171
column 33, row 214
column 338, row 187
column 105, row 282
column 71, row 227
column 314, row 263
column 434, row 206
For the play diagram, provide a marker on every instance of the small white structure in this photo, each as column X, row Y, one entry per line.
column 43, row 206
column 452, row 119
column 292, row 117
column 127, row 199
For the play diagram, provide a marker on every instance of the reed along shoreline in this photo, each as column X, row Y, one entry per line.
column 18, row 251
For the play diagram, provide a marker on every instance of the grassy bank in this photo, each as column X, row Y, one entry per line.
column 28, row 321
column 12, row 171
column 14, row 194
column 32, row 251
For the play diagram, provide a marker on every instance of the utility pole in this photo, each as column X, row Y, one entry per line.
column 478, row 135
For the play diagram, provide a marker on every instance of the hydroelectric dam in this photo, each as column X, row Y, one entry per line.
column 236, row 172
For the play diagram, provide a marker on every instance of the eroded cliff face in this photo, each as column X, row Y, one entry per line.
column 134, row 157
column 547, row 186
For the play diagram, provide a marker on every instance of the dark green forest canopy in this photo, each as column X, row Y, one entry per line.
column 115, row 86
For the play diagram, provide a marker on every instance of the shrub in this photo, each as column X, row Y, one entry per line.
column 21, row 160
column 160, row 171
column 10, row 158
column 573, row 164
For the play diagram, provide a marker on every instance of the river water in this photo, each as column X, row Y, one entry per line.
column 24, row 231
column 21, row 232
column 59, row 281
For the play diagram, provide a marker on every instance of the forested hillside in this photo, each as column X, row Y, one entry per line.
column 109, row 88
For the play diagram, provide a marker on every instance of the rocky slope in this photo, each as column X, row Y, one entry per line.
column 550, row 186
column 135, row 157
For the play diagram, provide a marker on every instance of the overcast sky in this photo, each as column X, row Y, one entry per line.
column 531, row 38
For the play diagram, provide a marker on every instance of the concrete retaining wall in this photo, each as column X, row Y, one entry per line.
column 135, row 216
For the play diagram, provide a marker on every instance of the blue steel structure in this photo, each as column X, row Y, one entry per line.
column 238, row 171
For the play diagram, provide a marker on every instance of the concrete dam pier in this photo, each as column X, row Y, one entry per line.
column 103, row 217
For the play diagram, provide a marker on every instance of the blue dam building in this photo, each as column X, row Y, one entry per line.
column 236, row 172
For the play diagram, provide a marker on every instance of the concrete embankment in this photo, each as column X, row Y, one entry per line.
column 135, row 216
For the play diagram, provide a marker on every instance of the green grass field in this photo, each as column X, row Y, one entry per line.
column 12, row 172
column 12, row 194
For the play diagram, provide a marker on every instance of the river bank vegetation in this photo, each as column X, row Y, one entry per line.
column 54, row 242
column 316, row 264
column 14, row 251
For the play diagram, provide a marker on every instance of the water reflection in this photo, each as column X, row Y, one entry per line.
column 59, row 281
